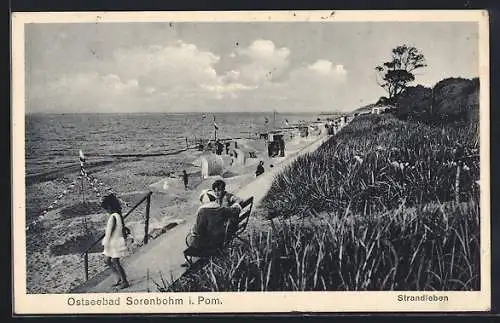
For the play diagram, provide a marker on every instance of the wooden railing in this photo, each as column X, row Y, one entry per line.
column 147, row 199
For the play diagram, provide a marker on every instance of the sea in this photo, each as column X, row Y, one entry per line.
column 53, row 141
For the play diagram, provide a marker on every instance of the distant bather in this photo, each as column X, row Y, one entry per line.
column 260, row 169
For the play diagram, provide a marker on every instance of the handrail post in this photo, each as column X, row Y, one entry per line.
column 146, row 224
column 86, row 265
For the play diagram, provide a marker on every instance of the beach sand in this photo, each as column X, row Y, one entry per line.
column 54, row 263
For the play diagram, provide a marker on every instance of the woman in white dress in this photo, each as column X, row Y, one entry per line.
column 114, row 240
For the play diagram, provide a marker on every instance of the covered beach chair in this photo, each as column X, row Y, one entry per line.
column 211, row 164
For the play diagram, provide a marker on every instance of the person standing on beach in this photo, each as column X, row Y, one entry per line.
column 218, row 147
column 185, row 178
column 114, row 239
column 260, row 169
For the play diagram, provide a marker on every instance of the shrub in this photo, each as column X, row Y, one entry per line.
column 451, row 100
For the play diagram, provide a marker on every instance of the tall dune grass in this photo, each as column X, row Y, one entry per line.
column 435, row 247
column 375, row 208
column 376, row 164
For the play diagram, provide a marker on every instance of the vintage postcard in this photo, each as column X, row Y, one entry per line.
column 250, row 162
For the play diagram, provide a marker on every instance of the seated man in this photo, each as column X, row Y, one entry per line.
column 224, row 198
column 213, row 223
column 229, row 202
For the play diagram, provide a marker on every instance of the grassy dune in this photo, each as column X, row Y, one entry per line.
column 379, row 163
column 378, row 207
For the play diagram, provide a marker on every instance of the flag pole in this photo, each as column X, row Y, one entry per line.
column 82, row 173
column 215, row 130
column 274, row 119
column 83, row 177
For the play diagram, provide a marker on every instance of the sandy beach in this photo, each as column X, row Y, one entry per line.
column 54, row 264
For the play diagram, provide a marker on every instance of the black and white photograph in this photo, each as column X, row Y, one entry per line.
column 175, row 161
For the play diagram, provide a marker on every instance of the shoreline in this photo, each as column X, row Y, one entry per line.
column 133, row 179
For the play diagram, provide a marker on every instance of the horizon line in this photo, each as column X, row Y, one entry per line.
column 192, row 112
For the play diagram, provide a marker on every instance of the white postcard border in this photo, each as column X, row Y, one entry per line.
column 24, row 303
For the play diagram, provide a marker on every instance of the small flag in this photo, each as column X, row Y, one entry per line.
column 82, row 157
column 82, row 162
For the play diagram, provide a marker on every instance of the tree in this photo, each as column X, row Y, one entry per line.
column 395, row 75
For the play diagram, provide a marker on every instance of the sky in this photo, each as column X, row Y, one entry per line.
column 230, row 66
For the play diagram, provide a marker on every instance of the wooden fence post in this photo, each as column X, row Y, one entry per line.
column 146, row 225
column 86, row 265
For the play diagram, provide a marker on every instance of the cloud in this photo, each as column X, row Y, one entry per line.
column 263, row 61
column 230, row 76
column 181, row 76
column 265, row 50
column 255, row 65
column 150, row 90
column 228, row 88
column 86, row 92
column 325, row 67
column 322, row 75
column 166, row 66
column 317, row 86
column 128, row 77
